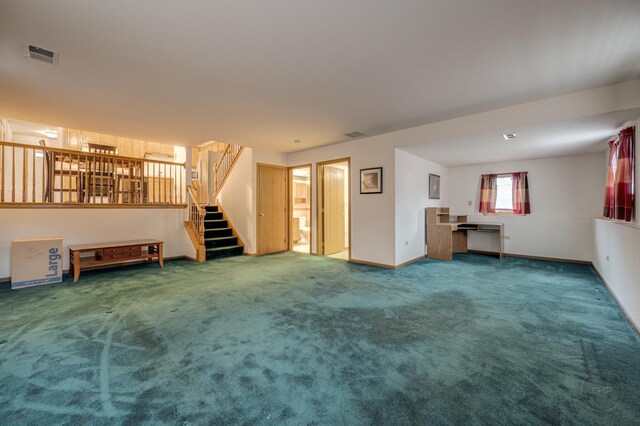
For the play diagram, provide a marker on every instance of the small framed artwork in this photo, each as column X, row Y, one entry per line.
column 434, row 187
column 371, row 181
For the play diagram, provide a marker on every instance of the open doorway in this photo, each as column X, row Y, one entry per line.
column 334, row 205
column 300, row 208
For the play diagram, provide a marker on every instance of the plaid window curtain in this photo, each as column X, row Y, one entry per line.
column 609, row 192
column 520, row 185
column 624, row 180
column 488, row 193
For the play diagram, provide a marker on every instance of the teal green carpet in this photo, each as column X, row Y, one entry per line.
column 295, row 339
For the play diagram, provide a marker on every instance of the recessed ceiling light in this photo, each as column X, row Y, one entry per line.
column 509, row 136
column 51, row 134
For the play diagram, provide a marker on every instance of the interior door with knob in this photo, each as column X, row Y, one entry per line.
column 272, row 209
column 334, row 209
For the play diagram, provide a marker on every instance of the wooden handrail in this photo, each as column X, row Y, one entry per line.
column 219, row 163
column 196, row 215
column 223, row 167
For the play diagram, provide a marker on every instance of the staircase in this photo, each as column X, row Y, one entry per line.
column 219, row 238
column 211, row 232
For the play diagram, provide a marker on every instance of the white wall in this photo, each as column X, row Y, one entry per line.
column 376, row 232
column 237, row 198
column 372, row 215
column 93, row 225
column 616, row 248
column 565, row 194
column 615, row 254
column 412, row 197
column 6, row 134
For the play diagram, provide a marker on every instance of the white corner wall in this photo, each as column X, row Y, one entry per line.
column 372, row 215
column 237, row 198
column 616, row 248
column 384, row 231
column 93, row 225
column 411, row 198
column 565, row 193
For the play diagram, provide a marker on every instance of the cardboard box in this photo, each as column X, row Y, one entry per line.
column 36, row 261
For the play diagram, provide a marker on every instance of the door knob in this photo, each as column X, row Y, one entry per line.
column 261, row 214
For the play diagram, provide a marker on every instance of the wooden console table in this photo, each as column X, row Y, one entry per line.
column 113, row 254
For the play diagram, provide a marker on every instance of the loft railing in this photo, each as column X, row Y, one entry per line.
column 37, row 175
column 223, row 167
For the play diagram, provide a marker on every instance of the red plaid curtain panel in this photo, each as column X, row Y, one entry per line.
column 624, row 184
column 609, row 192
column 488, row 193
column 520, row 191
column 620, row 192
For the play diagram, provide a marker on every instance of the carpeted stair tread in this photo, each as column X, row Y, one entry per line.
column 219, row 239
column 214, row 216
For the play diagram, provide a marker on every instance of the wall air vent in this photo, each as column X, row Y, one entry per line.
column 355, row 134
column 41, row 54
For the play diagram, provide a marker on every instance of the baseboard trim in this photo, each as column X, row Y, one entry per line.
column 524, row 256
column 383, row 265
column 409, row 262
column 94, row 268
column 629, row 318
column 365, row 262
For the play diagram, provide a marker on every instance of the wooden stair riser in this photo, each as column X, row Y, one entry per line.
column 218, row 253
column 218, row 233
column 214, row 216
column 215, row 224
column 221, row 242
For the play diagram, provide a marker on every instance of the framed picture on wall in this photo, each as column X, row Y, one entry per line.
column 371, row 181
column 434, row 187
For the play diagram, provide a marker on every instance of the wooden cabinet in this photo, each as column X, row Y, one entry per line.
column 443, row 236
column 447, row 233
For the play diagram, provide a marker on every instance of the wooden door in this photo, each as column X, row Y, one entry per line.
column 272, row 209
column 334, row 209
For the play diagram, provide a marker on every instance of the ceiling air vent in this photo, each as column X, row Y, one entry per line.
column 509, row 136
column 355, row 134
column 41, row 54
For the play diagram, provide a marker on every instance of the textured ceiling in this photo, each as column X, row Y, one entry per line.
column 262, row 74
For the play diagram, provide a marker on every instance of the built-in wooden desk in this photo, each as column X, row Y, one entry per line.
column 447, row 233
column 112, row 254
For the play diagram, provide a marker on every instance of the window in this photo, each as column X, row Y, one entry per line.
column 504, row 196
column 504, row 193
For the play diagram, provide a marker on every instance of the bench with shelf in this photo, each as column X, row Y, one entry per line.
column 113, row 254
